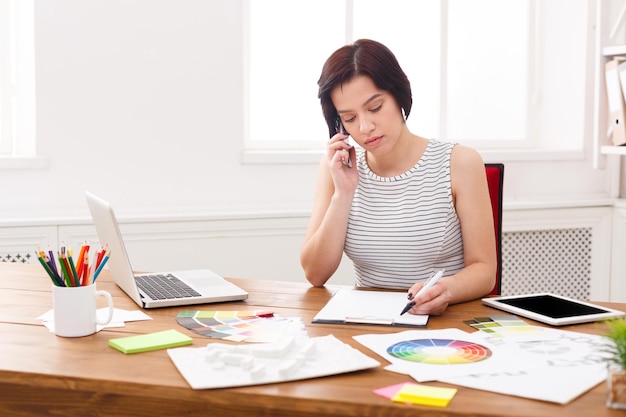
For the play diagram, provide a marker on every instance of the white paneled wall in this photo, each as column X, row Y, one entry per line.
column 565, row 250
column 262, row 247
column 18, row 244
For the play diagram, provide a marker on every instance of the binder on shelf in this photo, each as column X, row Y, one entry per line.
column 615, row 96
column 621, row 70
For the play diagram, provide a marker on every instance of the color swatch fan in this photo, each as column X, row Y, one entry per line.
column 241, row 325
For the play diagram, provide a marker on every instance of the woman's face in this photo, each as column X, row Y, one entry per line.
column 371, row 116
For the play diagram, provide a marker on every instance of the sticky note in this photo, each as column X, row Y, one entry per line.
column 151, row 341
column 424, row 395
column 390, row 391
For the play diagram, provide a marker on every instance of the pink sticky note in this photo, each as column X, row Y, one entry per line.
column 390, row 391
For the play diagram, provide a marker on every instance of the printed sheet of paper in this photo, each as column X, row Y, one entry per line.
column 429, row 355
column 576, row 362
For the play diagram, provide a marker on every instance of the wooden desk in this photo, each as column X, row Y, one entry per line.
column 42, row 374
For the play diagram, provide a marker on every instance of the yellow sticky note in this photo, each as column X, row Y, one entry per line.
column 151, row 341
column 424, row 395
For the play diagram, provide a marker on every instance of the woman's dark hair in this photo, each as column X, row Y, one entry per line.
column 363, row 57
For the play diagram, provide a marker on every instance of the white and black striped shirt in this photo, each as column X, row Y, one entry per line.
column 403, row 229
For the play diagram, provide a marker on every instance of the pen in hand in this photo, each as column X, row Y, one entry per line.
column 432, row 281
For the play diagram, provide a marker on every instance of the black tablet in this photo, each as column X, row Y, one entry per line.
column 552, row 309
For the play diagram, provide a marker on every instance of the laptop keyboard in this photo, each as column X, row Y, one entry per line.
column 164, row 287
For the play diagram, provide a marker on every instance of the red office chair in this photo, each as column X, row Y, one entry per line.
column 495, row 181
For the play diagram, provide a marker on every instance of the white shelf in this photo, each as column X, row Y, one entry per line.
column 609, row 51
column 613, row 150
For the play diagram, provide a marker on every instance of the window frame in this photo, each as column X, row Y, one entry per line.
column 7, row 87
column 18, row 149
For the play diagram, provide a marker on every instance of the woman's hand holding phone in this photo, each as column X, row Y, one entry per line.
column 340, row 149
column 341, row 155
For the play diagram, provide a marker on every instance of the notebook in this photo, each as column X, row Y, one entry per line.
column 355, row 306
column 203, row 285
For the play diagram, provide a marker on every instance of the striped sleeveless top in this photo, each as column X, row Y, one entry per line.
column 402, row 229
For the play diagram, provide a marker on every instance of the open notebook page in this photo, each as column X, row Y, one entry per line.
column 369, row 307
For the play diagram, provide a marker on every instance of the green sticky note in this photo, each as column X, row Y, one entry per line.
column 151, row 341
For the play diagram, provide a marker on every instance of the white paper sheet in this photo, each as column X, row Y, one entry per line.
column 420, row 354
column 222, row 365
column 369, row 307
column 576, row 362
column 544, row 384
column 119, row 318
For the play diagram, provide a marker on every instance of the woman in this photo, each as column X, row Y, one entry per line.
column 402, row 207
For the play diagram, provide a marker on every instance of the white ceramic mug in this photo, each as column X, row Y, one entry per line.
column 75, row 310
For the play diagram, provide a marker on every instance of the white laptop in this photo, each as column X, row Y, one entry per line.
column 198, row 286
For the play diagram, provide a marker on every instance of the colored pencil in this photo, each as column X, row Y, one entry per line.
column 85, row 278
column 73, row 270
column 53, row 264
column 66, row 276
column 79, row 262
column 48, row 270
column 68, row 273
column 99, row 268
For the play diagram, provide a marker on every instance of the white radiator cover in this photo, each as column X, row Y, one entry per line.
column 556, row 261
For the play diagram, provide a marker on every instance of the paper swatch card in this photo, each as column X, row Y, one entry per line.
column 369, row 307
column 151, row 341
column 507, row 326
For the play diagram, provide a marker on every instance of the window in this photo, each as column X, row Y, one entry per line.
column 289, row 42
column 477, row 68
column 17, row 80
column 7, row 90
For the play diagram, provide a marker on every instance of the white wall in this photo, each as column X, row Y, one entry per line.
column 141, row 102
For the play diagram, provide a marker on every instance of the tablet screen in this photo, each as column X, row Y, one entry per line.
column 550, row 306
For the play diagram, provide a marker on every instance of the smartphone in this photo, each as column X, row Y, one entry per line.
column 342, row 130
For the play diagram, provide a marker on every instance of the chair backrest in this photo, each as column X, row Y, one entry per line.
column 495, row 181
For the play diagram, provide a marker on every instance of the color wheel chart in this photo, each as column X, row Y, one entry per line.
column 439, row 351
